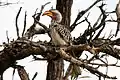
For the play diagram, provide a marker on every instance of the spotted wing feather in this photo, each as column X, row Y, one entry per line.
column 64, row 33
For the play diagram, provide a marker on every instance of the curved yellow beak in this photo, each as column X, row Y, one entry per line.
column 48, row 13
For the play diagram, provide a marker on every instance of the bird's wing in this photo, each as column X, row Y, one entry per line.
column 64, row 33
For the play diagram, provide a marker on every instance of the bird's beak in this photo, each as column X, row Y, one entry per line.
column 48, row 13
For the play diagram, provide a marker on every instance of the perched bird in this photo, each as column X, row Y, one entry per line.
column 118, row 17
column 60, row 35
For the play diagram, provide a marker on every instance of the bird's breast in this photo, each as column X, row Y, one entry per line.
column 56, row 39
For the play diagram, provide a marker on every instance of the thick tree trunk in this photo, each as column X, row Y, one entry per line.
column 56, row 67
column 64, row 6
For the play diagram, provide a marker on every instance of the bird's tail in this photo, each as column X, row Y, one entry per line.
column 76, row 72
column 73, row 70
column 118, row 29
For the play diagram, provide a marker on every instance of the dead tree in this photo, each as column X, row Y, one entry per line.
column 89, row 41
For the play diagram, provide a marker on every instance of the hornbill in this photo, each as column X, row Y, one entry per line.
column 60, row 35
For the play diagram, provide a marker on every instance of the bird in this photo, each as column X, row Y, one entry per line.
column 117, row 10
column 60, row 34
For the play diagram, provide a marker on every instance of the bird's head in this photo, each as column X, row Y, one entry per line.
column 54, row 14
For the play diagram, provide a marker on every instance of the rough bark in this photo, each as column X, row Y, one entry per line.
column 16, row 51
column 55, row 69
column 65, row 9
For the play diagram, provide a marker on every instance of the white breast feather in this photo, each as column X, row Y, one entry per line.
column 56, row 39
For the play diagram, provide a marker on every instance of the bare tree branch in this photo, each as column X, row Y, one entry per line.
column 104, row 65
column 32, row 31
column 6, row 3
column 82, row 64
column 34, row 76
column 17, row 29
column 89, row 32
column 22, row 73
column 24, row 25
column 80, row 14
column 7, row 37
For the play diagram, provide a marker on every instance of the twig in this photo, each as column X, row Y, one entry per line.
column 82, row 64
column 103, row 21
column 89, row 27
column 40, row 31
column 110, row 50
column 7, row 37
column 39, row 14
column 99, row 18
column 91, row 59
column 22, row 73
column 100, row 31
column 110, row 12
column 32, row 31
column 110, row 35
column 79, row 22
column 89, row 24
column 13, row 74
column 111, row 21
column 35, row 76
column 17, row 29
column 42, row 7
column 90, row 31
column 36, row 58
column 105, row 64
column 1, row 77
column 4, row 4
column 45, row 27
column 24, row 24
column 80, row 14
